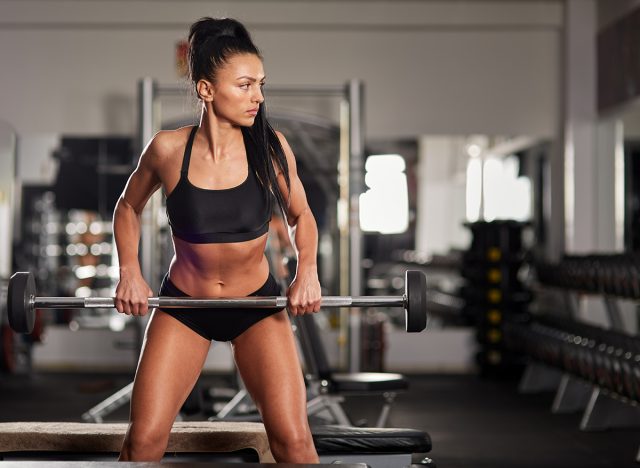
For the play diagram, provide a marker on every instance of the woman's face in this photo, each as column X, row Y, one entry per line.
column 237, row 90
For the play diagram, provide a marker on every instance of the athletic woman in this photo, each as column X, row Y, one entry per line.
column 220, row 179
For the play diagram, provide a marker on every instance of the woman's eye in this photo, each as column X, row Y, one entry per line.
column 245, row 86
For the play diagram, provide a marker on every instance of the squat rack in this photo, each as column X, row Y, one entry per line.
column 350, row 182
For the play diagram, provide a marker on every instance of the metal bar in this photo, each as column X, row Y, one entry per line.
column 170, row 90
column 146, row 97
column 605, row 411
column 342, row 218
column 219, row 302
column 613, row 312
column 108, row 406
column 149, row 236
column 232, row 405
column 148, row 244
column 280, row 90
column 355, row 96
column 572, row 395
column 570, row 305
column 315, row 90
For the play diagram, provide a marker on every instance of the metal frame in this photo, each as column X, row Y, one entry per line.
column 539, row 377
column 601, row 408
column 613, row 313
column 323, row 398
column 373, row 460
column 572, row 395
column 351, row 162
column 350, row 180
column 607, row 411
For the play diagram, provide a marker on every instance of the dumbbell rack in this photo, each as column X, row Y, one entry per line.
column 592, row 369
column 493, row 293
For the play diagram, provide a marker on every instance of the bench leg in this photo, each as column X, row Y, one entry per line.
column 572, row 395
column 108, row 406
column 389, row 398
column 372, row 460
column 332, row 405
column 605, row 412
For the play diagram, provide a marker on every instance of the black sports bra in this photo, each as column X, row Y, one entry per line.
column 204, row 216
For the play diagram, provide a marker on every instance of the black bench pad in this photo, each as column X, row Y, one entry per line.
column 341, row 439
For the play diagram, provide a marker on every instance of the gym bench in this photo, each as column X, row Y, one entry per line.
column 208, row 441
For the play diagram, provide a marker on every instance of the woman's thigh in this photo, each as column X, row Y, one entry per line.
column 170, row 362
column 267, row 358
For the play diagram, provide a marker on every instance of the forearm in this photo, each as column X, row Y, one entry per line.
column 126, row 232
column 304, row 236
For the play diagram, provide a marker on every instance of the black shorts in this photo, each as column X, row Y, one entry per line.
column 220, row 324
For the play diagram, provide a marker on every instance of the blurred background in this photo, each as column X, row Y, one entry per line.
column 493, row 145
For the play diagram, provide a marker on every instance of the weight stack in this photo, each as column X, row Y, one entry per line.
column 493, row 292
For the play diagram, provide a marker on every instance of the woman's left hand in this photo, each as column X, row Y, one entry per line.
column 304, row 295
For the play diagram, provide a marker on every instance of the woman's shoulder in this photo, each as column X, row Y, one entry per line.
column 285, row 144
column 281, row 137
column 166, row 144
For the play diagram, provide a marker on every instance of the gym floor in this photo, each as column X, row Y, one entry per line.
column 473, row 422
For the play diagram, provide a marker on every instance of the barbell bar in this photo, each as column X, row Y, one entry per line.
column 22, row 302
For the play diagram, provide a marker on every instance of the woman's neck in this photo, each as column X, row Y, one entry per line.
column 223, row 139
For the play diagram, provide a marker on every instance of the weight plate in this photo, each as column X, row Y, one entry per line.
column 416, row 308
column 22, row 287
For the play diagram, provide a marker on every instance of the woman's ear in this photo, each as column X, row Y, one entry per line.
column 205, row 90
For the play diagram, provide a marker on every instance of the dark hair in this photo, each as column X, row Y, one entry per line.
column 212, row 42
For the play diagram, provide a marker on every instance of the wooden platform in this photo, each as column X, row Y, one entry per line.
column 189, row 437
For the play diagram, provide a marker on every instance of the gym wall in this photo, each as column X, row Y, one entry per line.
column 83, row 60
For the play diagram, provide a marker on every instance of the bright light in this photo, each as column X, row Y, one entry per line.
column 95, row 227
column 117, row 322
column 385, row 206
column 504, row 195
column 474, row 150
column 381, row 163
column 53, row 250
column 474, row 189
column 83, row 291
column 492, row 185
column 521, row 206
column 86, row 271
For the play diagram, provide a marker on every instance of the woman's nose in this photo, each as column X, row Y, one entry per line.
column 258, row 96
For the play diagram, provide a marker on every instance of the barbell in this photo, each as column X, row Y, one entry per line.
column 22, row 301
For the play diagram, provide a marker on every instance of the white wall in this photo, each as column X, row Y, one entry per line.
column 631, row 122
column 7, row 195
column 104, row 350
column 430, row 67
column 440, row 350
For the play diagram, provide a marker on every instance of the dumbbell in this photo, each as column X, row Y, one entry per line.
column 22, row 302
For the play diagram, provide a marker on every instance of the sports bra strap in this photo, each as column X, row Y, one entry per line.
column 187, row 152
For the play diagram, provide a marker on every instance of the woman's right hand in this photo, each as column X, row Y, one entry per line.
column 132, row 293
